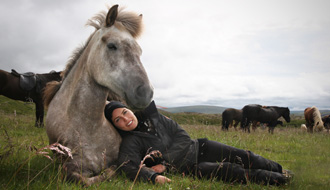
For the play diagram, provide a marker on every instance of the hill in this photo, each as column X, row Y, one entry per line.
column 196, row 109
column 218, row 110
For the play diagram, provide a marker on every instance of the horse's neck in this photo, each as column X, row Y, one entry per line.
column 280, row 111
column 317, row 116
column 83, row 95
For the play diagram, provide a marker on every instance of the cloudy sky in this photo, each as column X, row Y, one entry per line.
column 196, row 52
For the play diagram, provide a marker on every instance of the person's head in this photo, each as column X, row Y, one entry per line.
column 120, row 116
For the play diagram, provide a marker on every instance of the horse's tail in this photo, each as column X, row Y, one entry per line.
column 50, row 91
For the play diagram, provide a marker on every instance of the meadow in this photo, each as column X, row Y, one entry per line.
column 24, row 163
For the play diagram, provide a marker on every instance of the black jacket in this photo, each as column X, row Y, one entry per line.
column 168, row 137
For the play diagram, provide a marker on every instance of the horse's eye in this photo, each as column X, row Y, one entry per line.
column 112, row 46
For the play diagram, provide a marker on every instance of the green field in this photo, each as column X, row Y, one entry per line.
column 22, row 166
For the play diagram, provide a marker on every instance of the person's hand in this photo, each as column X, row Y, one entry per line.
column 159, row 168
column 162, row 179
column 153, row 158
column 156, row 154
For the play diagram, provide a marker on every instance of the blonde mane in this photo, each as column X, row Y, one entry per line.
column 130, row 21
column 317, row 116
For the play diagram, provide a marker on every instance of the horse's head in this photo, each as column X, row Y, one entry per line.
column 114, row 57
column 286, row 114
column 318, row 126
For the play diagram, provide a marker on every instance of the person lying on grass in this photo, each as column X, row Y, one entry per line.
column 148, row 132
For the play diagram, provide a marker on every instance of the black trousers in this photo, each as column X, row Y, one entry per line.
column 230, row 164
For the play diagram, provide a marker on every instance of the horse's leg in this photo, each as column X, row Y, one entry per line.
column 235, row 125
column 230, row 125
column 254, row 126
column 226, row 125
column 243, row 123
column 310, row 127
column 271, row 127
column 88, row 181
column 246, row 125
column 42, row 112
column 249, row 123
column 39, row 114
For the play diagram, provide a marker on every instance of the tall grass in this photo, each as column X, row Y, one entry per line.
column 21, row 167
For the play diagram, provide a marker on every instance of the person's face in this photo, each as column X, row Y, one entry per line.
column 124, row 119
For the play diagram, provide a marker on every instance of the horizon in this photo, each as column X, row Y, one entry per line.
column 164, row 108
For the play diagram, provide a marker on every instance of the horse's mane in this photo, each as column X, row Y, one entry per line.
column 131, row 21
column 317, row 115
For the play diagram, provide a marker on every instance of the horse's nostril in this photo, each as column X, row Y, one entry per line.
column 144, row 91
column 141, row 90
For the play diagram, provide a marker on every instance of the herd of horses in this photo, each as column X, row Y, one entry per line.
column 254, row 114
column 107, row 66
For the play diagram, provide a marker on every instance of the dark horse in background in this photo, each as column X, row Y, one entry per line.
column 229, row 116
column 27, row 87
column 326, row 122
column 263, row 114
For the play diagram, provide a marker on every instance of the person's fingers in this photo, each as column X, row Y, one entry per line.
column 162, row 179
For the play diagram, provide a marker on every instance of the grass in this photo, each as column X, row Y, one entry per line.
column 21, row 167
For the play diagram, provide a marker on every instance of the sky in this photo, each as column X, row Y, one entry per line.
column 196, row 52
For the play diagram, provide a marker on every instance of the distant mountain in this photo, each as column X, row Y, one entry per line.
column 218, row 110
column 195, row 109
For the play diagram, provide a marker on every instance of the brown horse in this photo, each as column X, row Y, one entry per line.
column 313, row 119
column 263, row 114
column 27, row 87
column 107, row 65
column 229, row 116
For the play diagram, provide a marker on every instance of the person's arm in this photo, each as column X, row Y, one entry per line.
column 180, row 140
column 130, row 160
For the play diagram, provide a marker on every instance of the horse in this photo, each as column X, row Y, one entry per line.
column 107, row 65
column 229, row 115
column 263, row 114
column 313, row 119
column 27, row 87
column 326, row 122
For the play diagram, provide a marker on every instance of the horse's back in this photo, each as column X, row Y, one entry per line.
column 308, row 113
column 251, row 110
column 9, row 86
column 261, row 113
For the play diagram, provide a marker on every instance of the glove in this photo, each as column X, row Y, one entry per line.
column 153, row 158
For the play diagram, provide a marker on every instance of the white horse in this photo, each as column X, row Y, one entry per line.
column 108, row 65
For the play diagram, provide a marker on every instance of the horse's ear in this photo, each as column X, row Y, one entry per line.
column 111, row 16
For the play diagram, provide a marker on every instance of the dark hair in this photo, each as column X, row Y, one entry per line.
column 110, row 107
